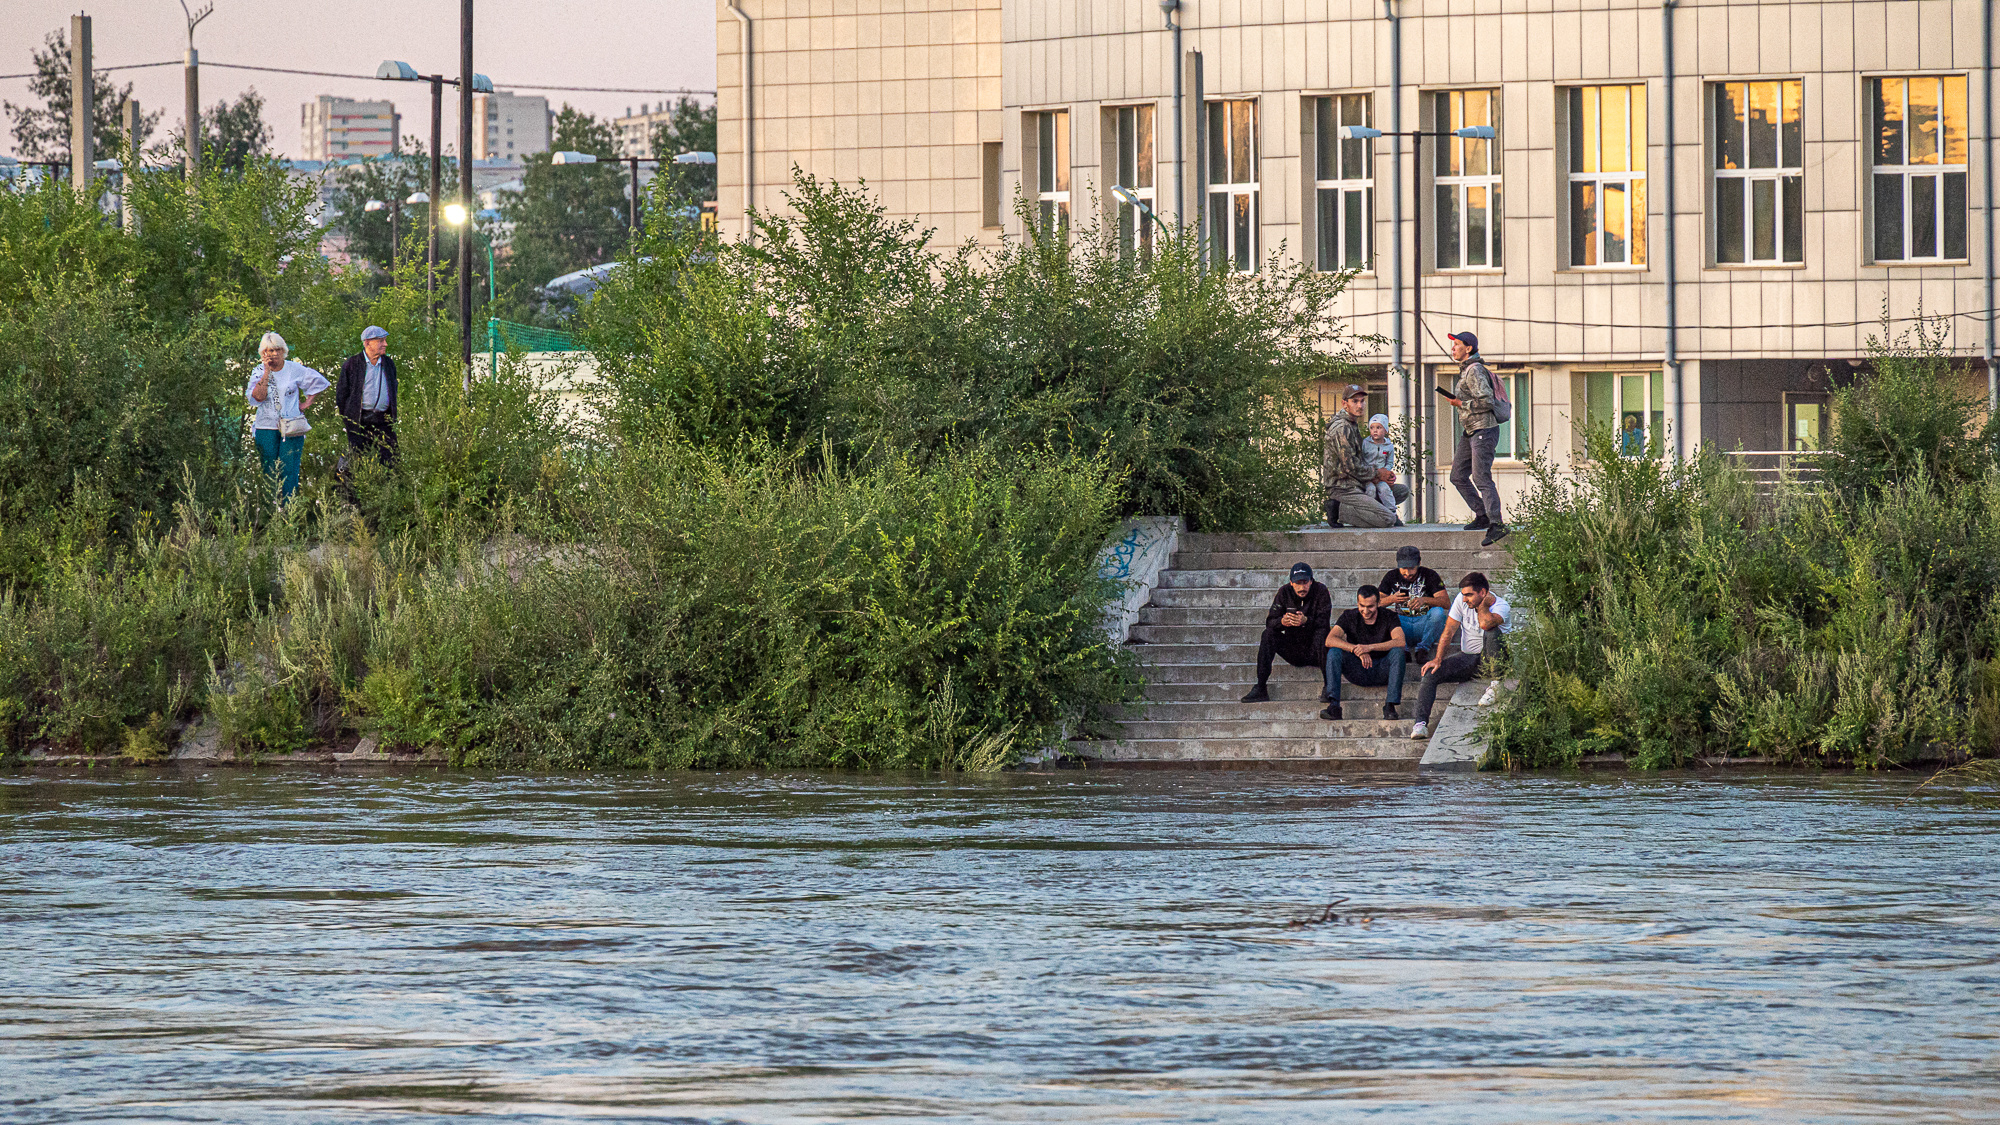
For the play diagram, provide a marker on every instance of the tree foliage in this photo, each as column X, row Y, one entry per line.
column 690, row 127
column 42, row 132
column 565, row 217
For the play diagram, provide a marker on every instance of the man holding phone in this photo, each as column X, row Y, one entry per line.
column 1478, row 438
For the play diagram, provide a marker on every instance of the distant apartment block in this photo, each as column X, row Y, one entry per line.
column 341, row 128
column 635, row 130
column 515, row 125
column 1687, row 248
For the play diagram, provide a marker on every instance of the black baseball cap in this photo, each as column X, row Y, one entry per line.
column 1466, row 338
column 1408, row 556
column 1301, row 572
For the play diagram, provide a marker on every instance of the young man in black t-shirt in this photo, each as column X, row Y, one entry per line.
column 1367, row 646
column 1416, row 594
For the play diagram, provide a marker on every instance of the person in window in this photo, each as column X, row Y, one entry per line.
column 366, row 397
column 281, row 390
column 1479, row 619
column 1366, row 645
column 1416, row 594
column 1632, row 438
column 1478, row 438
column 1295, row 628
column 1346, row 474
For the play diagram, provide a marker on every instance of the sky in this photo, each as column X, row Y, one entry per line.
column 653, row 44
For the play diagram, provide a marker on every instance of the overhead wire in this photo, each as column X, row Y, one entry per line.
column 372, row 78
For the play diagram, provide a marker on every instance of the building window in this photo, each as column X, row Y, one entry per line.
column 1232, row 184
column 989, row 183
column 1344, row 182
column 1607, row 176
column 1467, row 180
column 1632, row 406
column 1514, row 437
column 1134, row 127
column 1052, row 169
column 1919, row 166
column 1759, row 173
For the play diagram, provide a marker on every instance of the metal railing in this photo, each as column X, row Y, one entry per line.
column 1769, row 466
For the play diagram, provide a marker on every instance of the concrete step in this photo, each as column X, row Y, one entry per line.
column 1245, row 631
column 1239, row 729
column 1367, row 567
column 1163, row 655
column 1212, row 597
column 1427, row 538
column 1240, row 676
column 1387, row 753
column 1358, row 706
column 1208, row 615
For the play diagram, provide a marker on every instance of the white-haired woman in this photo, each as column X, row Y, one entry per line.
column 281, row 390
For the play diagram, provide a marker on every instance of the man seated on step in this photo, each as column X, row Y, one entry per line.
column 1479, row 618
column 1366, row 646
column 1417, row 595
column 1295, row 628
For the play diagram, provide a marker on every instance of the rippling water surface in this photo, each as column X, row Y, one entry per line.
column 248, row 948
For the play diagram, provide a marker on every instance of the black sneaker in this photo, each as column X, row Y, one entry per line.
column 1495, row 534
column 1258, row 694
column 1479, row 523
column 1420, row 657
column 1332, row 711
column 1389, row 711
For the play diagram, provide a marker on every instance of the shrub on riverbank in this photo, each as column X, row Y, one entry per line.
column 1847, row 620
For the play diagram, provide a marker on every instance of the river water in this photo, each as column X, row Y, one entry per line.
column 241, row 947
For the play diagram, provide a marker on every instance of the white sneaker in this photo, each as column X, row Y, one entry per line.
column 1421, row 731
column 1486, row 700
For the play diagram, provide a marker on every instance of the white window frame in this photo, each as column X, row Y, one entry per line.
column 1343, row 175
column 1787, row 218
column 1585, row 110
column 1653, row 394
column 1237, row 189
column 1907, row 172
column 1448, row 115
column 1052, row 169
column 1135, row 161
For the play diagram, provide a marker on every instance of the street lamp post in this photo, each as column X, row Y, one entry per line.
column 1419, row 402
column 392, row 70
column 395, row 209
column 567, row 157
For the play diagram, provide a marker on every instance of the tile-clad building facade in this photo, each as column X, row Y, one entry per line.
column 1827, row 165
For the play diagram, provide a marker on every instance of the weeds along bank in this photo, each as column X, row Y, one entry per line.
column 842, row 510
column 1847, row 620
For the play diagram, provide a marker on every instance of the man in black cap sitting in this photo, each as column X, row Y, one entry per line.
column 1294, row 629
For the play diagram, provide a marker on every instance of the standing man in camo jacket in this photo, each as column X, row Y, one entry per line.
column 1344, row 471
column 1478, row 437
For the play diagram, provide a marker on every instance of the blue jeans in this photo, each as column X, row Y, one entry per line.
column 1422, row 630
column 282, row 452
column 1388, row 670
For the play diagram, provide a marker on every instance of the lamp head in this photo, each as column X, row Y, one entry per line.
column 1125, row 195
column 482, row 84
column 1474, row 132
column 419, row 197
column 394, row 71
column 695, row 158
column 374, row 205
column 454, row 213
column 1358, row 133
column 568, row 157
column 112, row 165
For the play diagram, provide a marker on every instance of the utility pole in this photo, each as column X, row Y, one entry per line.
column 82, row 115
column 192, row 70
column 126, row 178
column 465, row 189
column 437, row 199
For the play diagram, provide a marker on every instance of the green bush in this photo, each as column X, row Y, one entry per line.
column 1845, row 621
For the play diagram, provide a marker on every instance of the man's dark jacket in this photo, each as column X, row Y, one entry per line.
column 1317, row 605
column 354, row 384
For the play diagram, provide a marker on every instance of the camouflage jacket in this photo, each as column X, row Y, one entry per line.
column 1475, row 396
column 1344, row 467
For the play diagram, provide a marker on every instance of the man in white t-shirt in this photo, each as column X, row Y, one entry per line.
column 1478, row 618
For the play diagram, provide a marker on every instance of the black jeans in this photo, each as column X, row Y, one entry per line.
column 374, row 431
column 1300, row 648
column 1472, row 472
column 1458, row 668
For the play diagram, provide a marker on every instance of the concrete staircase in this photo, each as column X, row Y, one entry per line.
column 1196, row 641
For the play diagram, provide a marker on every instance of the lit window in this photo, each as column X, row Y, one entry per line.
column 1052, row 168
column 1134, row 126
column 1468, row 180
column 1919, row 166
column 1607, row 175
column 1759, row 173
column 1344, row 181
column 1232, row 184
column 1633, row 406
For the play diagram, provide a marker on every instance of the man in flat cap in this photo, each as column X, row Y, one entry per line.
column 366, row 397
column 1345, row 472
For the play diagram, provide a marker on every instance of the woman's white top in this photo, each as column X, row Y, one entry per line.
column 288, row 384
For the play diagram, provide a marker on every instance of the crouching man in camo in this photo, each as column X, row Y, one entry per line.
column 1346, row 474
